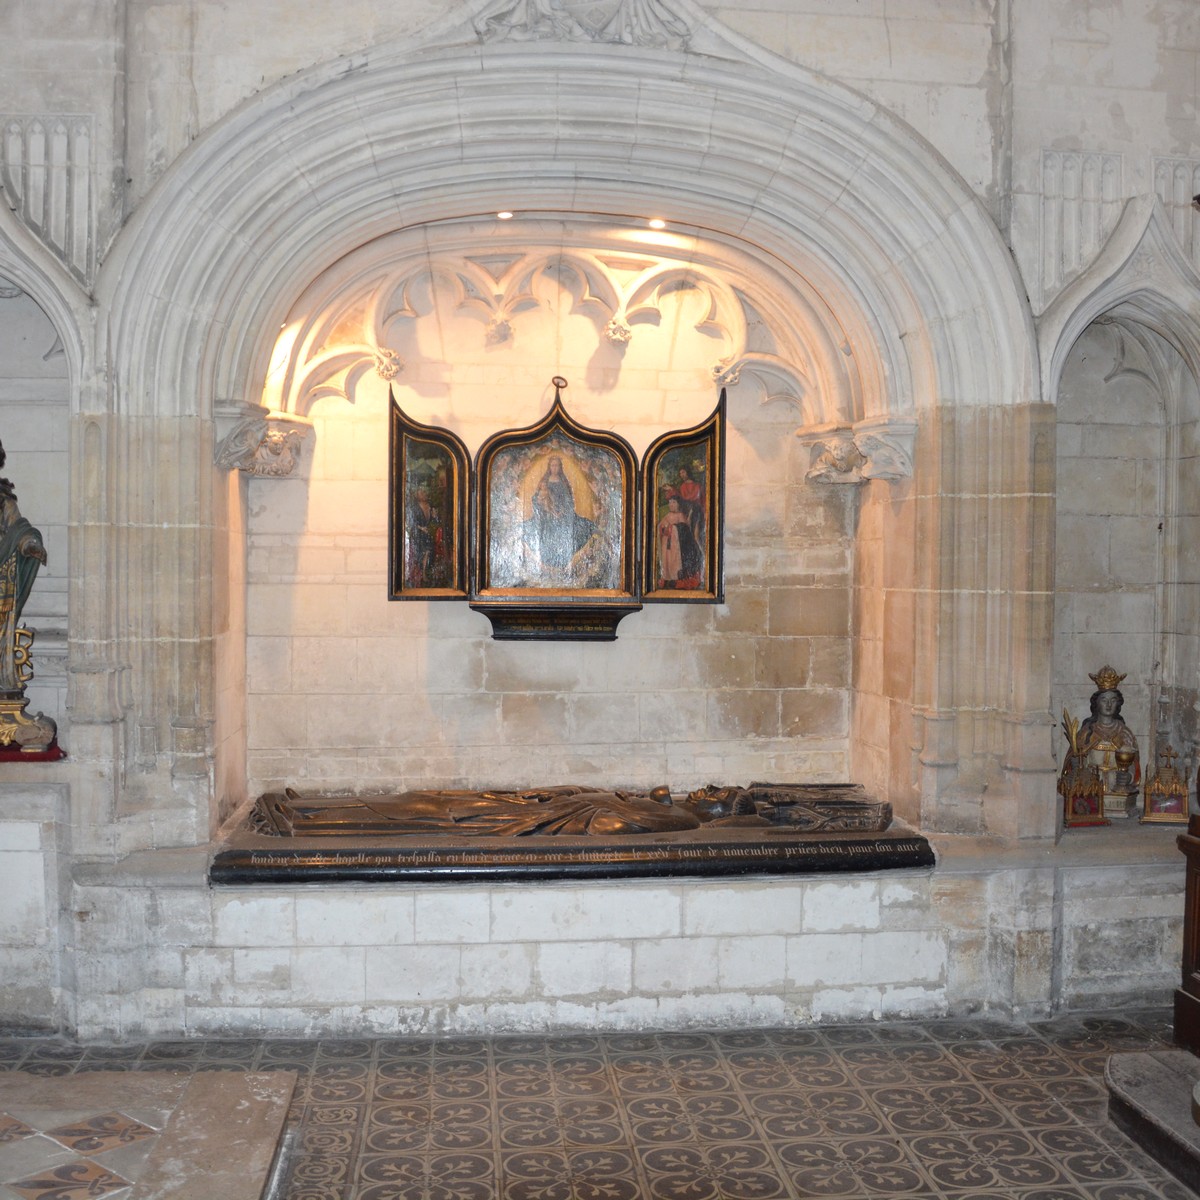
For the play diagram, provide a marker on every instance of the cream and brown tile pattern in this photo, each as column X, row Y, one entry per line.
column 72, row 1160
column 960, row 1110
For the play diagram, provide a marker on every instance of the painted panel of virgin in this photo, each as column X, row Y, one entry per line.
column 556, row 517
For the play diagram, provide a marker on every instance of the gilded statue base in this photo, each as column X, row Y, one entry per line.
column 23, row 736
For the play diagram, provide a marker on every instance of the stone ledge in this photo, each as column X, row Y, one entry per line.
column 1112, row 847
column 1107, row 847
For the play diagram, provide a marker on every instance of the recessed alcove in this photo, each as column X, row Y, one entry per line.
column 1128, row 408
column 890, row 582
column 466, row 323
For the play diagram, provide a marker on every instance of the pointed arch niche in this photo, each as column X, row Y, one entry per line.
column 819, row 257
column 1121, row 352
column 466, row 322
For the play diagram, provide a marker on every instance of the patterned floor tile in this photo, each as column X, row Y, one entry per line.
column 853, row 1167
column 78, row 1180
column 438, row 1176
column 994, row 1160
column 11, row 1129
column 949, row 1110
column 103, row 1132
column 716, row 1171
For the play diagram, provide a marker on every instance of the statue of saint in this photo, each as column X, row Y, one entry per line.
column 22, row 552
column 1107, row 743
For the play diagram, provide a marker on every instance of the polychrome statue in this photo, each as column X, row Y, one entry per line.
column 22, row 552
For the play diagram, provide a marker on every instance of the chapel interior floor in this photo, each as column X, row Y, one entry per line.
column 964, row 1109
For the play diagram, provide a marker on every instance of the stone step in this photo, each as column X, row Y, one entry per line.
column 173, row 1136
column 1150, row 1097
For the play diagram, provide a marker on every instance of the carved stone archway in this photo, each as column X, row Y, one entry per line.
column 1141, row 295
column 523, row 107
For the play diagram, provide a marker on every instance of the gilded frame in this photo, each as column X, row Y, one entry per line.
column 683, row 512
column 428, row 496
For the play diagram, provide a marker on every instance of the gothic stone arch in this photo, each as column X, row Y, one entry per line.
column 674, row 113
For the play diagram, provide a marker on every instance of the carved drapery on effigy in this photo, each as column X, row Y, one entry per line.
column 566, row 831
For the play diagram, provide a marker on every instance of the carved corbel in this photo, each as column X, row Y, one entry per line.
column 835, row 457
column 887, row 448
column 869, row 450
column 264, row 446
column 617, row 333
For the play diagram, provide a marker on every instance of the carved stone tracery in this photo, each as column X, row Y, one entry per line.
column 46, row 171
column 618, row 294
column 625, row 22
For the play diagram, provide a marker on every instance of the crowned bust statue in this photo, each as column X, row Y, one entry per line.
column 22, row 552
column 1103, row 741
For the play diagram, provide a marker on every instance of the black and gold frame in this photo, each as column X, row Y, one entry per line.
column 683, row 513
column 428, row 496
column 554, row 532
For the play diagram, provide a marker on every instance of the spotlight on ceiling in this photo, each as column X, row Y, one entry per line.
column 657, row 223
column 504, row 216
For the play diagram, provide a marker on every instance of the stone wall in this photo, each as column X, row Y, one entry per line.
column 32, row 825
column 1126, row 522
column 1089, row 926
column 348, row 690
column 231, row 633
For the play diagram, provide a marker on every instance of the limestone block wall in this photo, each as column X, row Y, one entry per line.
column 189, row 64
column 158, row 956
column 1100, row 96
column 940, row 65
column 31, row 824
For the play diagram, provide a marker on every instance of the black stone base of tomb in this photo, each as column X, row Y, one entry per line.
column 250, row 858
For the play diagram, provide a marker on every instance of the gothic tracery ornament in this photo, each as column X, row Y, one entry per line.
column 836, row 459
column 873, row 449
column 388, row 364
column 626, row 22
column 499, row 331
column 727, row 372
column 617, row 333
column 887, row 447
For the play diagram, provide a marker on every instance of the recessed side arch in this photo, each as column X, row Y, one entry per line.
column 1142, row 274
column 25, row 261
